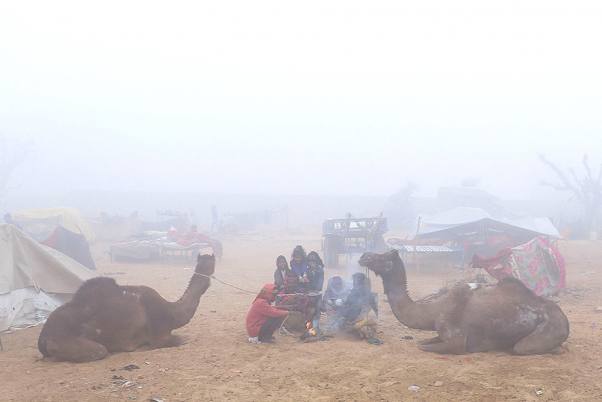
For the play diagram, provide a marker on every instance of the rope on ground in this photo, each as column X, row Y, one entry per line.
column 226, row 283
column 282, row 330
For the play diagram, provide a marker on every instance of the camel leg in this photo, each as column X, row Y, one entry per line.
column 75, row 349
column 547, row 336
column 166, row 341
column 127, row 345
column 452, row 346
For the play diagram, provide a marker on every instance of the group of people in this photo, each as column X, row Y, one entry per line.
column 298, row 287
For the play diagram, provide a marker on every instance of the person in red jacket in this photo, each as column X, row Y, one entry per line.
column 263, row 318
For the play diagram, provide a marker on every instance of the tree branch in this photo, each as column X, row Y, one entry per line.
column 558, row 187
column 565, row 181
column 587, row 169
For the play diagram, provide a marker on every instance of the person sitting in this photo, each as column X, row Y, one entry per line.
column 299, row 261
column 333, row 304
column 315, row 273
column 263, row 318
column 358, row 309
column 291, row 286
column 282, row 271
column 314, row 281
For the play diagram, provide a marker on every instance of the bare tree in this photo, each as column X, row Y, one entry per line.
column 12, row 154
column 586, row 189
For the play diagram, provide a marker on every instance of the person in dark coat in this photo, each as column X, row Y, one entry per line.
column 333, row 304
column 358, row 308
column 314, row 273
column 314, row 281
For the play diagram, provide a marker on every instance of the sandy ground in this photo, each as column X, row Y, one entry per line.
column 217, row 363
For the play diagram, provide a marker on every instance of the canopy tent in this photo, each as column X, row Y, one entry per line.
column 450, row 218
column 34, row 279
column 474, row 231
column 451, row 223
column 63, row 229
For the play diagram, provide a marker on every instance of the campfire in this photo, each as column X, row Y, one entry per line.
column 311, row 331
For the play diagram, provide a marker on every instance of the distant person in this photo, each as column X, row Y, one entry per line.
column 282, row 271
column 172, row 234
column 193, row 236
column 299, row 262
column 263, row 318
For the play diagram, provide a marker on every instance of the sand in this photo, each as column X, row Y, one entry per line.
column 218, row 364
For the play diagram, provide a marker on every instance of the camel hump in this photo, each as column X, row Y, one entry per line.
column 461, row 291
column 96, row 289
column 456, row 302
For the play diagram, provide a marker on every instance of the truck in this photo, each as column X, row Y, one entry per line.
column 352, row 235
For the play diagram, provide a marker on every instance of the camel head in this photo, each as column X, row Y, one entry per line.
column 379, row 263
column 205, row 264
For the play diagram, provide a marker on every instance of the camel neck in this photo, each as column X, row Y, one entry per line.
column 407, row 311
column 395, row 282
column 186, row 306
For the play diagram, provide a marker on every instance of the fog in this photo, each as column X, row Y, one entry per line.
column 312, row 98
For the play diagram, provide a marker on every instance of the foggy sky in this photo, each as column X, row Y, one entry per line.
column 315, row 97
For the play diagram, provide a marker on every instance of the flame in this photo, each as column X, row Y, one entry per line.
column 310, row 329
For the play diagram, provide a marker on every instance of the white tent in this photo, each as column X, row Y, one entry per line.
column 463, row 216
column 34, row 279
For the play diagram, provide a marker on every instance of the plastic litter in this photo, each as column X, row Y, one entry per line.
column 414, row 388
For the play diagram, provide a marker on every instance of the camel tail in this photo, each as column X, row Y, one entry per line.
column 547, row 336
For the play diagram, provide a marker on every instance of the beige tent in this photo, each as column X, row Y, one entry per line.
column 34, row 279
column 41, row 222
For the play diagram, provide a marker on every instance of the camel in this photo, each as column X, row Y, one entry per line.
column 507, row 316
column 104, row 317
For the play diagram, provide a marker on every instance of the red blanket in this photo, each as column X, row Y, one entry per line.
column 537, row 263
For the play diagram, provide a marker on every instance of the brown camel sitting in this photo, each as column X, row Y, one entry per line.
column 104, row 317
column 507, row 316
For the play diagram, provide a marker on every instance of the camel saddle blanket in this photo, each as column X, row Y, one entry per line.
column 537, row 263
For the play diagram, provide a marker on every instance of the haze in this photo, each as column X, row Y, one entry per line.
column 338, row 98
